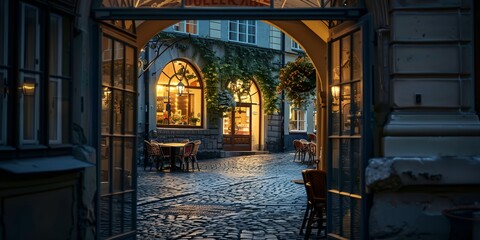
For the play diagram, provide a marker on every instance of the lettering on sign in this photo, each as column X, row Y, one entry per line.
column 227, row 3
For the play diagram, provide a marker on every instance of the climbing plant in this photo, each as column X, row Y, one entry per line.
column 236, row 62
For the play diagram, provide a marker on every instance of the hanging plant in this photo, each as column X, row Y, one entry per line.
column 298, row 81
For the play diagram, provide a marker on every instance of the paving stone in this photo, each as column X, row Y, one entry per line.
column 247, row 197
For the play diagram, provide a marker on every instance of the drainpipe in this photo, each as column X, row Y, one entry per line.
column 146, row 92
column 282, row 102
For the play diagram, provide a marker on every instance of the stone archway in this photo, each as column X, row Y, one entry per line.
column 312, row 35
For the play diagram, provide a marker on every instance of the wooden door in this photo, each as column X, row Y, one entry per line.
column 237, row 129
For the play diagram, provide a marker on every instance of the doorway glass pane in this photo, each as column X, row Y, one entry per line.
column 242, row 120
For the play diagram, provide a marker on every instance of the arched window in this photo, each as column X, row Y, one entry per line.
column 179, row 96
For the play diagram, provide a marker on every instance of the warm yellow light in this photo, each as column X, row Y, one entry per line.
column 159, row 90
column 335, row 92
column 29, row 88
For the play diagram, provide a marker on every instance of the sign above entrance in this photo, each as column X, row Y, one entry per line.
column 227, row 3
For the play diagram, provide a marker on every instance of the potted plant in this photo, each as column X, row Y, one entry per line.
column 193, row 121
column 298, row 80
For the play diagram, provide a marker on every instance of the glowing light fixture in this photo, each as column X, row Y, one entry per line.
column 180, row 88
column 335, row 92
column 29, row 89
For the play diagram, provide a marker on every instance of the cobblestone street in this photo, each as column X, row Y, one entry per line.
column 245, row 197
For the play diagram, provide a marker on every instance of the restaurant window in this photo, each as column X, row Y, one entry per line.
column 187, row 26
column 243, row 31
column 4, row 94
column 297, row 121
column 179, row 96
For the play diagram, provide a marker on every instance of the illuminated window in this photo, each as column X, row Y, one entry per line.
column 187, row 26
column 297, row 121
column 242, row 31
column 179, row 96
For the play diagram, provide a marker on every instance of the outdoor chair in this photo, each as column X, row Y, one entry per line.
column 312, row 137
column 152, row 155
column 300, row 150
column 193, row 156
column 312, row 151
column 163, row 156
column 316, row 189
column 185, row 154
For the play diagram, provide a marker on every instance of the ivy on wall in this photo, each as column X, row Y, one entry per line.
column 237, row 62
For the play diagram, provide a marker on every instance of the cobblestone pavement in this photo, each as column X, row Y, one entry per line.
column 245, row 197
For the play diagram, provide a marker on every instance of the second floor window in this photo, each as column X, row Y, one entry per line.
column 297, row 121
column 243, row 31
column 187, row 26
column 295, row 46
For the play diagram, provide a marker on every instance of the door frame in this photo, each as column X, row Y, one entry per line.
column 233, row 136
column 366, row 134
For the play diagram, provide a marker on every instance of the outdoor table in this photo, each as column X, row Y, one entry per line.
column 173, row 147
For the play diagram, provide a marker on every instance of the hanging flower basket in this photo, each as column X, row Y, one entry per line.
column 298, row 80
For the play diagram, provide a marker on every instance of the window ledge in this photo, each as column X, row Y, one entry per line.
column 42, row 165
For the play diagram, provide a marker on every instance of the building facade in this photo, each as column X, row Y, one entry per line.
column 247, row 126
column 397, row 107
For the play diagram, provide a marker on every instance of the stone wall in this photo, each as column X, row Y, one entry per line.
column 211, row 146
column 274, row 133
column 409, row 195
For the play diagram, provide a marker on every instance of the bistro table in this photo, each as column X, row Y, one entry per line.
column 173, row 146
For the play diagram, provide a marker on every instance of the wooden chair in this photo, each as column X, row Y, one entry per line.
column 163, row 155
column 185, row 154
column 300, row 150
column 193, row 156
column 152, row 155
column 312, row 151
column 316, row 188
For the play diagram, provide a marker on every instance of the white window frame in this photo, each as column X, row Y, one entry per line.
column 183, row 26
column 237, row 33
column 295, row 46
column 35, row 76
column 297, row 123
column 56, row 97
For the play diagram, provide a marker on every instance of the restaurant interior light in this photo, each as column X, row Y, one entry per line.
column 180, row 88
column 29, row 89
column 335, row 92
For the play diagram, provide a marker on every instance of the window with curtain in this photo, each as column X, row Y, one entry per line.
column 187, row 26
column 243, row 31
column 179, row 95
column 297, row 121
